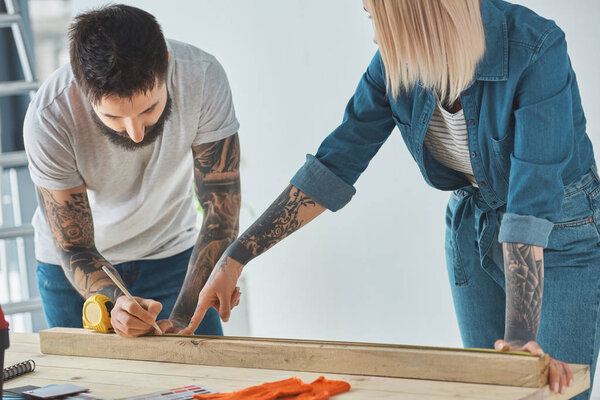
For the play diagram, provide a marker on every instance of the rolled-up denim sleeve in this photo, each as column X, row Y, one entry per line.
column 325, row 187
column 329, row 176
column 543, row 144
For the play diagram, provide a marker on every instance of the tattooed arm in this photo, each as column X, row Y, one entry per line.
column 217, row 178
column 289, row 212
column 70, row 220
column 524, row 274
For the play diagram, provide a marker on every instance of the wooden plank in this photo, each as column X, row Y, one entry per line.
column 117, row 378
column 135, row 383
column 455, row 365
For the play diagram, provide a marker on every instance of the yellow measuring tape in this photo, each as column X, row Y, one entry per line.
column 96, row 313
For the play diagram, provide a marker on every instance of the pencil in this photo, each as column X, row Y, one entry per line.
column 120, row 285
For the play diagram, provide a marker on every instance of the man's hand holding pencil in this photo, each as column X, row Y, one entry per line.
column 133, row 316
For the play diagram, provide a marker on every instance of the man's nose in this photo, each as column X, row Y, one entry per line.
column 135, row 131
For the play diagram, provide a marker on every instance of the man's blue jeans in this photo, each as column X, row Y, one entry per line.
column 570, row 321
column 159, row 280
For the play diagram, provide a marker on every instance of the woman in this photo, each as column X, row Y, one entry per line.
column 487, row 103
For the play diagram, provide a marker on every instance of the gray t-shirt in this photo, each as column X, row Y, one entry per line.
column 142, row 201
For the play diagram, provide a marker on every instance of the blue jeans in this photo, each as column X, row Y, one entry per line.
column 159, row 280
column 571, row 297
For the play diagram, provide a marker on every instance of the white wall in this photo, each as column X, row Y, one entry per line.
column 375, row 271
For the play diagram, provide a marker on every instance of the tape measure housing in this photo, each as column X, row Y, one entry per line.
column 96, row 313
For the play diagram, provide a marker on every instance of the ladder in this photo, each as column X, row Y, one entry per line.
column 13, row 20
column 10, row 162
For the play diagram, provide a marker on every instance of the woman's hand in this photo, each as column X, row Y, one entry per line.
column 219, row 292
column 560, row 374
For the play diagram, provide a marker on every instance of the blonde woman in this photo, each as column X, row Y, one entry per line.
column 485, row 98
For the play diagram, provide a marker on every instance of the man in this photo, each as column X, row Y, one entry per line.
column 111, row 141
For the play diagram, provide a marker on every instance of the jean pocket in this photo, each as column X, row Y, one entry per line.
column 574, row 239
column 578, row 207
column 501, row 149
column 461, row 269
column 573, row 244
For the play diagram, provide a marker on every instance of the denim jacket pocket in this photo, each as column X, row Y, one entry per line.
column 501, row 149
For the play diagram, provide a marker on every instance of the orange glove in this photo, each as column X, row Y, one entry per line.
column 322, row 389
column 288, row 389
column 266, row 391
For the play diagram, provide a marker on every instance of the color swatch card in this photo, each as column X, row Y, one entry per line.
column 182, row 393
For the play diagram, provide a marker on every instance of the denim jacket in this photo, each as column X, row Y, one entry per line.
column 525, row 124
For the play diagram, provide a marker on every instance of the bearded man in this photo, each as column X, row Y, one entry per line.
column 113, row 140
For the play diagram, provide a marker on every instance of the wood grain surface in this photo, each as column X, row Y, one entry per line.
column 118, row 378
column 441, row 364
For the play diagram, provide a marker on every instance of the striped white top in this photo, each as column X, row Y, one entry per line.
column 448, row 141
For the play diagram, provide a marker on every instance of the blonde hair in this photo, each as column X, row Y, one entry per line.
column 435, row 42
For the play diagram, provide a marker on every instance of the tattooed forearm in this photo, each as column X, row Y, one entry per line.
column 83, row 269
column 290, row 211
column 280, row 220
column 217, row 179
column 524, row 273
column 72, row 227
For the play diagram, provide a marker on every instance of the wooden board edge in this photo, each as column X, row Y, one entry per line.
column 529, row 368
column 581, row 383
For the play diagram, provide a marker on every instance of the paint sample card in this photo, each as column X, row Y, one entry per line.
column 182, row 393
column 84, row 396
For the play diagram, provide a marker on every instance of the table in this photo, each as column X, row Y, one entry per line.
column 111, row 378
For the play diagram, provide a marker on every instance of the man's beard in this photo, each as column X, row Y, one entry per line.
column 122, row 139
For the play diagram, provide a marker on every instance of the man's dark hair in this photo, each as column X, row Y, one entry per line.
column 117, row 50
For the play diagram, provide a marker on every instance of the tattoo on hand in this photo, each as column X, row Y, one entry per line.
column 524, row 272
column 221, row 264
